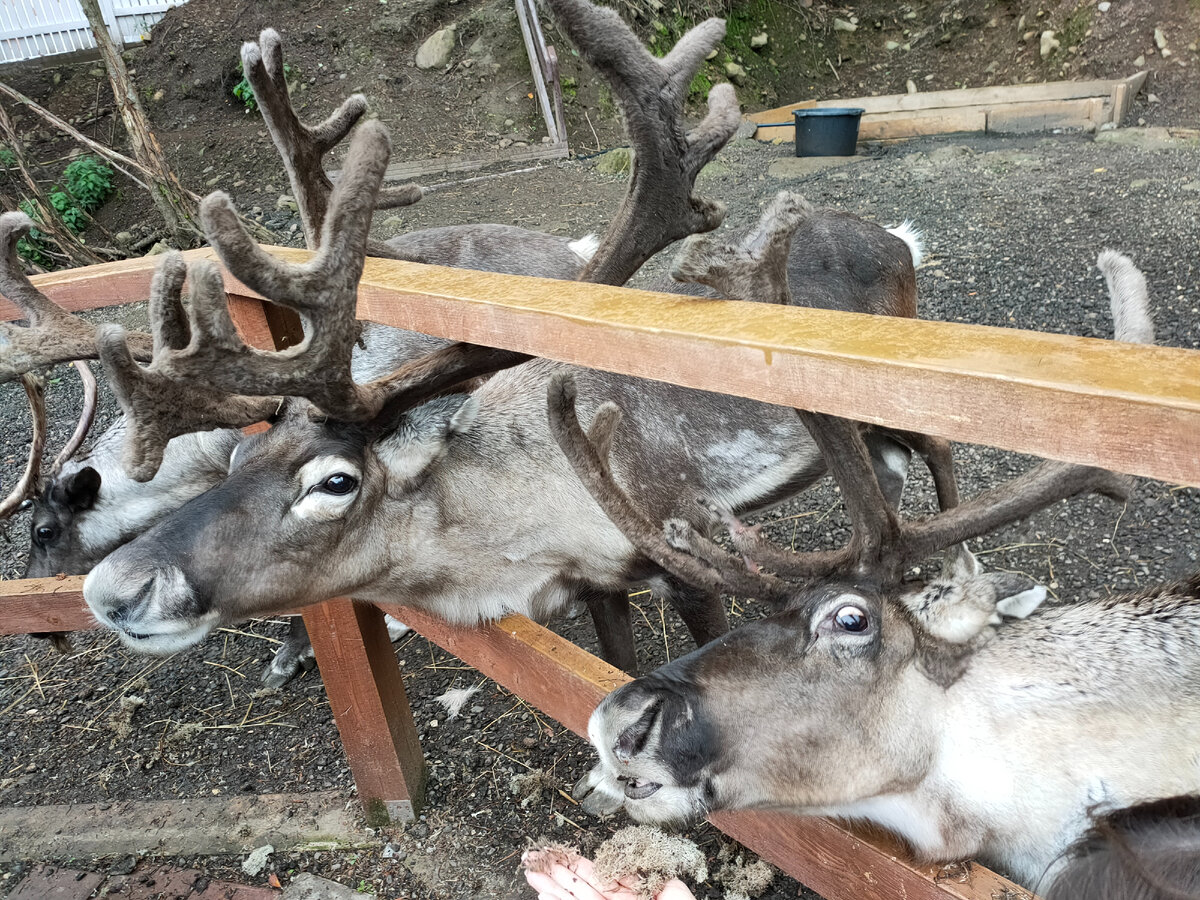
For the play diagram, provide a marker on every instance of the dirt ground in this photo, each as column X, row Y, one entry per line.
column 482, row 99
column 1012, row 228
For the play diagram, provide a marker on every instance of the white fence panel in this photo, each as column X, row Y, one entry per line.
column 33, row 28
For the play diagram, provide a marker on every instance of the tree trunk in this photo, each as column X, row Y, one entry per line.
column 168, row 194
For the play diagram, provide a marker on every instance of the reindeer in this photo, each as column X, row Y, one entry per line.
column 957, row 713
column 1146, row 852
column 379, row 491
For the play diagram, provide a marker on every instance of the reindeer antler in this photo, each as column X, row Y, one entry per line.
column 882, row 546
column 303, row 147
column 670, row 547
column 659, row 207
column 754, row 268
column 53, row 334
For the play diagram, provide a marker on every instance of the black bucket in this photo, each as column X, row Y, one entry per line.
column 830, row 131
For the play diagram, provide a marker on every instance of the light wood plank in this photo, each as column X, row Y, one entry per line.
column 1027, row 118
column 1131, row 408
column 981, row 96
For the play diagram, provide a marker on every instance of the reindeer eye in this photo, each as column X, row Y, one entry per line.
column 339, row 483
column 45, row 533
column 852, row 619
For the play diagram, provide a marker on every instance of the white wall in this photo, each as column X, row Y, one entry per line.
column 33, row 28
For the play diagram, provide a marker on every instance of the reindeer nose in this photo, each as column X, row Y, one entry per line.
column 114, row 598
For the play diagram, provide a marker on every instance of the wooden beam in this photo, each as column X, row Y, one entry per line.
column 533, row 662
column 44, row 604
column 1131, row 408
column 370, row 707
column 1027, row 118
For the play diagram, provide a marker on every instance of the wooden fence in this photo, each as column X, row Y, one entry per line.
column 1132, row 408
column 33, row 28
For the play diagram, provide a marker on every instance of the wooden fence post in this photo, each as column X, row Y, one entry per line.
column 366, row 691
column 358, row 665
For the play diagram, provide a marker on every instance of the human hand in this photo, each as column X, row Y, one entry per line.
column 556, row 875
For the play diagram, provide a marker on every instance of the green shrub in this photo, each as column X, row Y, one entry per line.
column 7, row 157
column 31, row 247
column 89, row 182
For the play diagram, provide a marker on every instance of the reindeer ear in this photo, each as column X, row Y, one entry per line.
column 79, row 490
column 424, row 433
column 1017, row 596
column 957, row 609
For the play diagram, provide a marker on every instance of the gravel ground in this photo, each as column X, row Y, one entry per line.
column 1012, row 227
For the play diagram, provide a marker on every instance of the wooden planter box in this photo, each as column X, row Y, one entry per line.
column 1006, row 109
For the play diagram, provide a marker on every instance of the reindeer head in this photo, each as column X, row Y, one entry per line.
column 292, row 523
column 841, row 674
column 826, row 705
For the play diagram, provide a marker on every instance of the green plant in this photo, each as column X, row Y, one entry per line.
column 245, row 93
column 31, row 247
column 7, row 157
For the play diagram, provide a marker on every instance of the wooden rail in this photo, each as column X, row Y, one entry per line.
column 1130, row 408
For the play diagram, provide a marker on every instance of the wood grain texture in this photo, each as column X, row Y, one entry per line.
column 1131, row 408
column 366, row 693
column 982, row 96
column 44, row 604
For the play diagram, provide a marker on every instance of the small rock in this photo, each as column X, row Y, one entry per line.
column 508, row 123
column 476, row 49
column 736, row 73
column 1049, row 44
column 991, row 68
column 615, row 162
column 388, row 851
column 1028, row 36
column 256, row 861
column 286, row 202
column 891, row 45
column 311, row 887
column 505, row 143
column 214, row 181
column 1160, row 39
column 158, row 249
column 759, row 40
column 911, row 86
column 1140, row 61
column 1152, row 98
column 1166, row 53
column 843, row 25
column 1104, row 6
column 1139, row 183
column 1192, row 186
column 435, row 52
column 123, row 238
column 713, row 54
column 126, row 864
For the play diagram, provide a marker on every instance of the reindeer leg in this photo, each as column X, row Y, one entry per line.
column 614, row 626
column 294, row 656
column 701, row 610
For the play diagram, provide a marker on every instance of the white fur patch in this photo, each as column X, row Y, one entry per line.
column 318, row 504
column 908, row 233
column 585, row 248
column 1019, row 606
column 455, row 699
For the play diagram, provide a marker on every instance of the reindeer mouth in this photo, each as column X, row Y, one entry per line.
column 637, row 789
